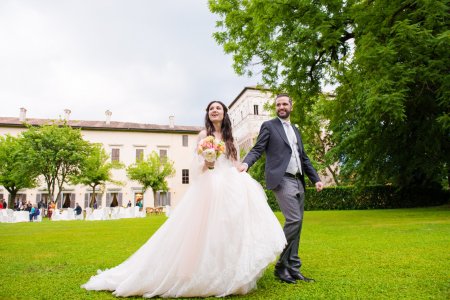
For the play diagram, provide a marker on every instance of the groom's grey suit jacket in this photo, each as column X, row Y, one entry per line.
column 272, row 139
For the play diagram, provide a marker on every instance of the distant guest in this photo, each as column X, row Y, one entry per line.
column 78, row 209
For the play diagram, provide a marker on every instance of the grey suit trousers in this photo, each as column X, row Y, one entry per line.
column 290, row 196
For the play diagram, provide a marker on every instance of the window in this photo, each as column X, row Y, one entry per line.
column 185, row 140
column 162, row 198
column 115, row 154
column 91, row 200
column 163, row 155
column 255, row 109
column 139, row 154
column 113, row 199
column 185, row 176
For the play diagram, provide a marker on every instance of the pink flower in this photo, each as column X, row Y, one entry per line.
column 211, row 148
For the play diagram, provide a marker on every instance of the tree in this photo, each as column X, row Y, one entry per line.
column 55, row 151
column 390, row 119
column 152, row 172
column 96, row 170
column 14, row 171
column 317, row 137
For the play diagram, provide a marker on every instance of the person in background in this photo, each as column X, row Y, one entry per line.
column 78, row 209
column 51, row 208
column 28, row 206
column 33, row 209
column 139, row 203
column 41, row 206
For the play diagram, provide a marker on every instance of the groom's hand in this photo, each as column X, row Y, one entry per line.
column 243, row 167
column 319, row 186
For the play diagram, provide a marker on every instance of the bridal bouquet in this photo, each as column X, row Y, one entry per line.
column 211, row 148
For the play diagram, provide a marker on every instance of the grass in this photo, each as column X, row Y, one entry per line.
column 373, row 254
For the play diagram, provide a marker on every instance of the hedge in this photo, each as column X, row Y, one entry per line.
column 370, row 197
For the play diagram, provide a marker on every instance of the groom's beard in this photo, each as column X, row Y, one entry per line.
column 286, row 116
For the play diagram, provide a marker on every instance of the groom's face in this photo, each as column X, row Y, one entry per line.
column 283, row 107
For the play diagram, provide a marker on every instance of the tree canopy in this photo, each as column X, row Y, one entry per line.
column 96, row 170
column 55, row 151
column 15, row 173
column 152, row 172
column 389, row 121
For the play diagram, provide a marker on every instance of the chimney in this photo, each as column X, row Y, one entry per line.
column 23, row 114
column 171, row 121
column 67, row 114
column 108, row 114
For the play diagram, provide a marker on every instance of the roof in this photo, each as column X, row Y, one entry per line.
column 255, row 88
column 101, row 125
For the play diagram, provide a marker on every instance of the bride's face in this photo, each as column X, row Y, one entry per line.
column 215, row 112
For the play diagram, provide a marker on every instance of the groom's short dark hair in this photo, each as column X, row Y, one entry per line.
column 283, row 95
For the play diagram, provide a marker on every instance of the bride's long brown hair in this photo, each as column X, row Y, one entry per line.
column 227, row 134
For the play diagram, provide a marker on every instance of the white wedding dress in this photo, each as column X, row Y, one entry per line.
column 217, row 242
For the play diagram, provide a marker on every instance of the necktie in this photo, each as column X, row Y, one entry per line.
column 293, row 143
column 290, row 133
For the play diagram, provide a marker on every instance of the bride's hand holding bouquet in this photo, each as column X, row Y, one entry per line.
column 210, row 148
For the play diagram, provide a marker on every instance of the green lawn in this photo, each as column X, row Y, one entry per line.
column 374, row 254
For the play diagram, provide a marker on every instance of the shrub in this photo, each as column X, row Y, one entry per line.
column 370, row 197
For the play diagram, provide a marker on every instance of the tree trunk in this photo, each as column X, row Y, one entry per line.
column 93, row 198
column 154, row 198
column 12, row 196
column 333, row 173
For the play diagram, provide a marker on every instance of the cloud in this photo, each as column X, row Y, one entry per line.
column 143, row 60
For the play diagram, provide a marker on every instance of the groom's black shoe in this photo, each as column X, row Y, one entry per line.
column 283, row 275
column 299, row 276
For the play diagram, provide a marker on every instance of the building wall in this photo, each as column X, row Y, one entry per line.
column 127, row 142
column 246, row 122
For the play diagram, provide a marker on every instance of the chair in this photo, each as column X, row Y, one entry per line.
column 78, row 217
column 138, row 213
column 56, row 215
column 21, row 216
column 3, row 216
column 115, row 213
column 70, row 214
column 96, row 215
column 88, row 211
column 105, row 213
column 167, row 210
column 6, row 215
column 11, row 216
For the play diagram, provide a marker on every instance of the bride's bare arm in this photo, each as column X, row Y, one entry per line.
column 206, row 164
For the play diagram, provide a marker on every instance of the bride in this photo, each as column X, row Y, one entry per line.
column 217, row 242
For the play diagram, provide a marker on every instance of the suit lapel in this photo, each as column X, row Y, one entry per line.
column 279, row 127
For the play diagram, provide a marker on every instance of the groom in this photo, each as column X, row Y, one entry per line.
column 286, row 165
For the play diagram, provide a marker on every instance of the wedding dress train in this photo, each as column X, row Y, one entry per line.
column 217, row 242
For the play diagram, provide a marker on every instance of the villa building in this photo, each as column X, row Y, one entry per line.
column 247, row 113
column 125, row 142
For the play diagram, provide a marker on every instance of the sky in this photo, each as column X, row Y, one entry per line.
column 144, row 60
